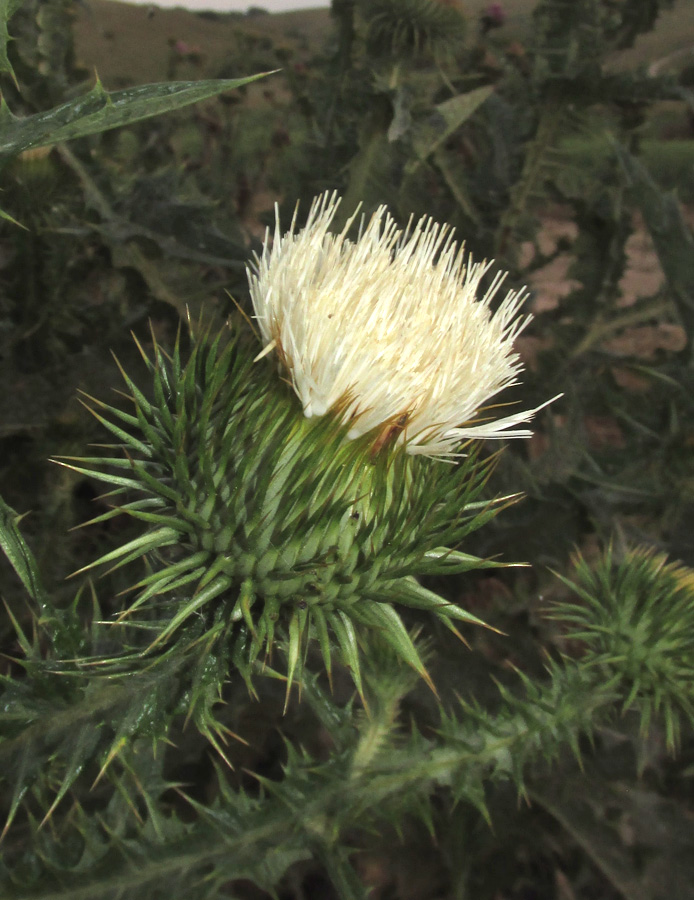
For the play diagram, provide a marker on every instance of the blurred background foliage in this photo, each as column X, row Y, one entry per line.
column 551, row 135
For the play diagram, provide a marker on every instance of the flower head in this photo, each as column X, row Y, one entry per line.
column 388, row 331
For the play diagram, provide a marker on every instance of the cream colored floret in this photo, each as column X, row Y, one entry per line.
column 389, row 328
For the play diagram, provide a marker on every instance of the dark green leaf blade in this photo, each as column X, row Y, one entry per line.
column 17, row 551
column 7, row 9
column 100, row 111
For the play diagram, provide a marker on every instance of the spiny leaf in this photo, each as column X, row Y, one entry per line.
column 445, row 119
column 320, row 625
column 77, row 748
column 336, row 862
column 100, row 111
column 346, row 636
column 217, row 587
column 8, row 218
column 18, row 553
column 410, row 593
column 297, row 627
column 454, row 561
column 7, row 9
column 108, row 477
column 385, row 620
column 125, row 436
column 22, row 639
column 160, row 537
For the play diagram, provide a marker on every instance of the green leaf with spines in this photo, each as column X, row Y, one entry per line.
column 138, row 446
column 120, row 481
column 343, row 629
column 113, row 411
column 130, row 509
column 473, row 747
column 28, row 649
column 319, row 622
column 214, row 567
column 18, row 552
column 193, row 578
column 5, row 216
column 296, row 630
column 78, row 748
column 219, row 586
column 384, row 620
column 172, row 570
column 100, row 111
column 336, row 863
column 442, row 122
column 7, row 9
column 410, row 593
column 142, row 545
column 156, row 484
column 445, row 561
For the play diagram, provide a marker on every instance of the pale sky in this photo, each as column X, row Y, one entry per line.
column 237, row 5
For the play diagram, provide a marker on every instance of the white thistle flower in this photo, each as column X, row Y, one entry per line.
column 388, row 331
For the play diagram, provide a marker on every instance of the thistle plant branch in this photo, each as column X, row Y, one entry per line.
column 316, row 802
column 380, row 770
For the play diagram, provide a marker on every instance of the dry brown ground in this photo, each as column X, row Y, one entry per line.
column 641, row 334
column 643, row 278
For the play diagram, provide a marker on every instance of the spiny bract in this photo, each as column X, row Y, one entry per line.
column 263, row 522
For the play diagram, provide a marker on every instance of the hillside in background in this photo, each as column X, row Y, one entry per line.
column 130, row 44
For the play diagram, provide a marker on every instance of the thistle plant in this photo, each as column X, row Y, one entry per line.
column 288, row 481
column 414, row 28
column 297, row 489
